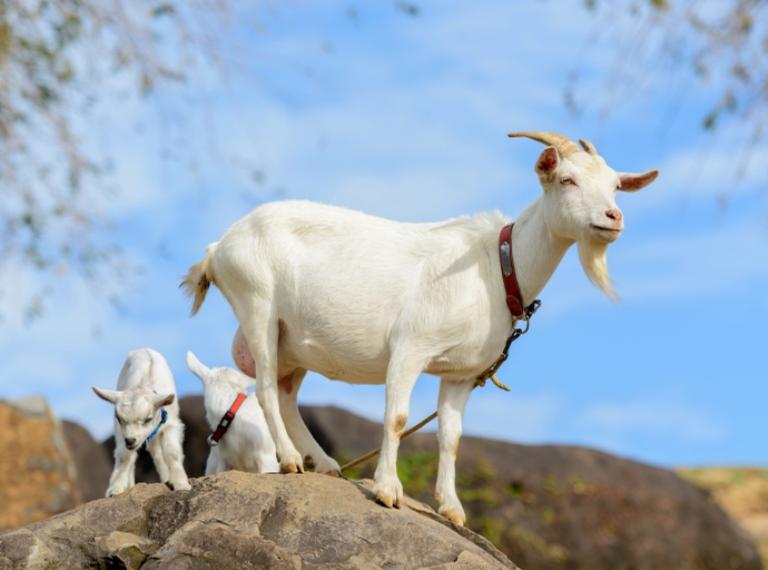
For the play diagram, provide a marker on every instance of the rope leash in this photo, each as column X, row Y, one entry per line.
column 487, row 374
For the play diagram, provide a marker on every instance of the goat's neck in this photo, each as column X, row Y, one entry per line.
column 536, row 252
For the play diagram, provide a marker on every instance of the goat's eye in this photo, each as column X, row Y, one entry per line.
column 147, row 421
column 567, row 181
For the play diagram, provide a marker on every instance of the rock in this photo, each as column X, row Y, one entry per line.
column 548, row 506
column 92, row 462
column 241, row 520
column 742, row 492
column 38, row 477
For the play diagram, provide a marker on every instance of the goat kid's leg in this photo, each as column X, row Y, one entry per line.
column 215, row 463
column 401, row 378
column 122, row 477
column 297, row 429
column 261, row 333
column 450, row 411
column 156, row 451
column 170, row 441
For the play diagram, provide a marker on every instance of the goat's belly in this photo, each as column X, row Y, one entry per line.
column 336, row 362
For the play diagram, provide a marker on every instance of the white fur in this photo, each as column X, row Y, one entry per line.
column 144, row 387
column 247, row 444
column 367, row 300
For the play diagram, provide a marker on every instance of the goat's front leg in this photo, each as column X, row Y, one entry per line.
column 297, row 429
column 156, row 451
column 401, row 378
column 450, row 411
column 171, row 439
column 122, row 477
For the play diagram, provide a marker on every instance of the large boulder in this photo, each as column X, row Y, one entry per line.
column 92, row 462
column 545, row 506
column 241, row 520
column 38, row 476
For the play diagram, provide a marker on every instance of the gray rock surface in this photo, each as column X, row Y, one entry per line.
column 240, row 520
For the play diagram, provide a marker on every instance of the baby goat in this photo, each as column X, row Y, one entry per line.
column 146, row 411
column 247, row 444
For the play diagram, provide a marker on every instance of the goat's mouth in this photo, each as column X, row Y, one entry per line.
column 606, row 233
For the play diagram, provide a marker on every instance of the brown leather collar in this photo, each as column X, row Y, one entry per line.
column 511, row 286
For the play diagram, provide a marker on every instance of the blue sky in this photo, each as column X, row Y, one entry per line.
column 407, row 118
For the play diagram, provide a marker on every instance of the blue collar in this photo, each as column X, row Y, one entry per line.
column 163, row 419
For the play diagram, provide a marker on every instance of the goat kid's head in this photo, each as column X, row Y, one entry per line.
column 137, row 410
column 579, row 202
column 223, row 378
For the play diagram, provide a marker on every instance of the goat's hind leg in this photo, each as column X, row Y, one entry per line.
column 297, row 429
column 260, row 330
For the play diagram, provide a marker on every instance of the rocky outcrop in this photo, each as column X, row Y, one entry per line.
column 546, row 507
column 92, row 462
column 38, row 477
column 240, row 520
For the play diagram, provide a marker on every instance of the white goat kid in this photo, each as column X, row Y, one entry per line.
column 146, row 411
column 247, row 444
column 368, row 300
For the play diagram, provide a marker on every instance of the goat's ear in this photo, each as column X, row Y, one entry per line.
column 198, row 368
column 547, row 162
column 632, row 182
column 110, row 396
column 164, row 400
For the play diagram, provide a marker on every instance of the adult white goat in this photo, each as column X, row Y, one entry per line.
column 146, row 410
column 367, row 300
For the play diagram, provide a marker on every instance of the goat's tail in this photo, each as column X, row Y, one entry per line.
column 199, row 279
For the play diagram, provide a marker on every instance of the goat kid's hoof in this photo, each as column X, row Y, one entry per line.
column 456, row 517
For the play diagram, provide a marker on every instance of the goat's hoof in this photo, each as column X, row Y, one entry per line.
column 456, row 517
column 169, row 485
column 291, row 468
column 332, row 473
column 387, row 500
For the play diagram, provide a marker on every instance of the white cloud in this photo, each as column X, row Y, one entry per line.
column 675, row 420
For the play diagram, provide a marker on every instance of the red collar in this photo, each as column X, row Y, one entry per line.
column 226, row 420
column 511, row 286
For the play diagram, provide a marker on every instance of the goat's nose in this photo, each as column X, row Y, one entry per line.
column 130, row 441
column 614, row 214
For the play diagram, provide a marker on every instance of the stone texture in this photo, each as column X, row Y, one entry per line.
column 92, row 462
column 38, row 477
column 240, row 520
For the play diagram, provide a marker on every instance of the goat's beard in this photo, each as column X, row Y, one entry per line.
column 593, row 256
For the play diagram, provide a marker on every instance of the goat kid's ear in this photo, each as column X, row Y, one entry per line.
column 164, row 400
column 547, row 162
column 632, row 182
column 110, row 396
column 198, row 368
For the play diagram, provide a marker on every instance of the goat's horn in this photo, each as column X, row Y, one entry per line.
column 563, row 144
column 588, row 146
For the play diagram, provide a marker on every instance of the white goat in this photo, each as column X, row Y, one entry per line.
column 247, row 444
column 146, row 411
column 368, row 300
